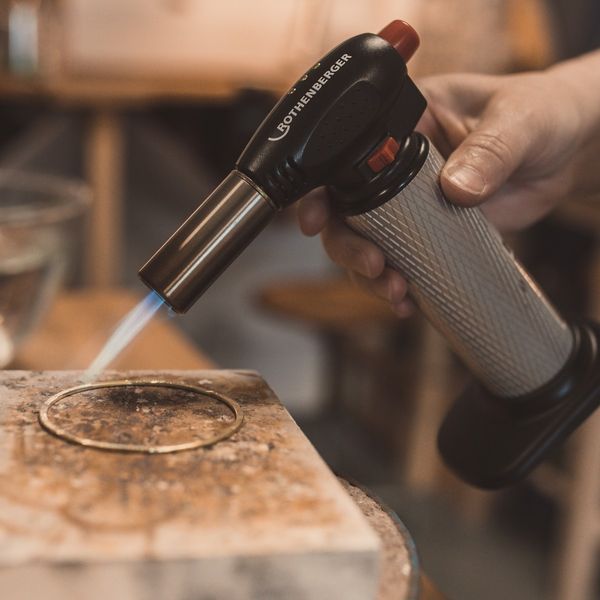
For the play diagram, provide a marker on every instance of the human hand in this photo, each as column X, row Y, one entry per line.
column 511, row 143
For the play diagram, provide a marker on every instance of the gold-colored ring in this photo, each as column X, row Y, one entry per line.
column 54, row 429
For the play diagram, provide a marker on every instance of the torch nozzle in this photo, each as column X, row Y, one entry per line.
column 208, row 242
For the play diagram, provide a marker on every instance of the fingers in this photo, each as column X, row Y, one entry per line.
column 498, row 145
column 351, row 251
column 517, row 206
column 389, row 286
column 363, row 260
column 453, row 102
column 463, row 93
column 404, row 309
column 342, row 245
column 313, row 212
column 366, row 266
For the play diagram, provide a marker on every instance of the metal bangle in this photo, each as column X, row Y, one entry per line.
column 59, row 432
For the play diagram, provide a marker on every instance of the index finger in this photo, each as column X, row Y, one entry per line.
column 314, row 212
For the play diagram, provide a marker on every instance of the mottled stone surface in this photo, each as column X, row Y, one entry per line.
column 256, row 516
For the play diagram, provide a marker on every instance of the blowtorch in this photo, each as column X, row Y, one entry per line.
column 349, row 124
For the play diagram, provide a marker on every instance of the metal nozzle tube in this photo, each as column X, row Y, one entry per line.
column 208, row 242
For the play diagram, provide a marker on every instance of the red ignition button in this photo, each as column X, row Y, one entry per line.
column 384, row 155
column 402, row 37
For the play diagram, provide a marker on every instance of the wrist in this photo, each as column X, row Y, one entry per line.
column 579, row 80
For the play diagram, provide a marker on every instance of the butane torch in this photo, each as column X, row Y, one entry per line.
column 349, row 123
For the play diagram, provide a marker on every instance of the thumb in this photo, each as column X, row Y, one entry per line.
column 486, row 158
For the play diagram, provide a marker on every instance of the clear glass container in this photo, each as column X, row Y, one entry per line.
column 40, row 219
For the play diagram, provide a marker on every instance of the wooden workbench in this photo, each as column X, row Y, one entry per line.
column 77, row 326
column 256, row 516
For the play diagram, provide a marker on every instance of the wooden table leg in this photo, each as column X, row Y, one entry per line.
column 581, row 534
column 582, row 523
column 421, row 467
column 435, row 391
column 104, row 161
column 429, row 591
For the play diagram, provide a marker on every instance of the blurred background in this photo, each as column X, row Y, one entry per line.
column 118, row 117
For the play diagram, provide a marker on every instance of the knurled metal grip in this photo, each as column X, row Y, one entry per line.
column 469, row 285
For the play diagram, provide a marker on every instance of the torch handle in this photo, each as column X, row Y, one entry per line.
column 469, row 285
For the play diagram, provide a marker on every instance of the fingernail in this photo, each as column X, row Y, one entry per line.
column 466, row 178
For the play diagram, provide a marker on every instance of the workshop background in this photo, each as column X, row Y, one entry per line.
column 150, row 102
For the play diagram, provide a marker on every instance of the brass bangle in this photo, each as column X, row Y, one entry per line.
column 59, row 432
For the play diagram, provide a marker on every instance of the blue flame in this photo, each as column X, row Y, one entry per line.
column 125, row 332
